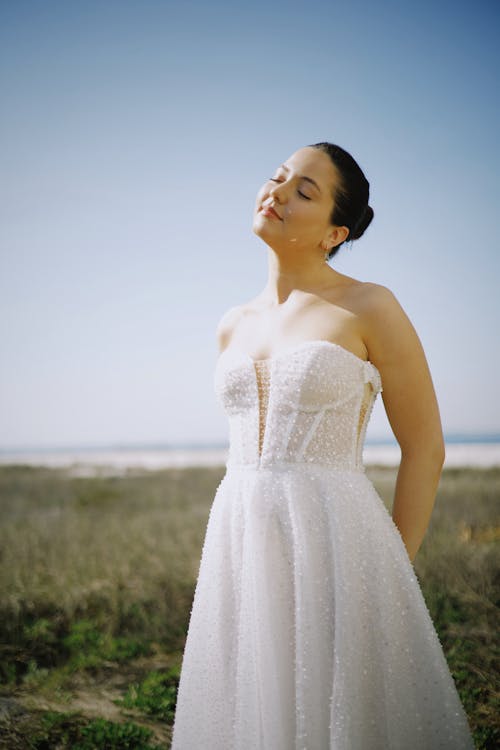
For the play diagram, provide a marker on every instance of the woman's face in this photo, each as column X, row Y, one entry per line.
column 301, row 192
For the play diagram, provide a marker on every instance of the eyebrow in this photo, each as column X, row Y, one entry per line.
column 302, row 177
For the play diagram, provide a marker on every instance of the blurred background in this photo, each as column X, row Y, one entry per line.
column 134, row 137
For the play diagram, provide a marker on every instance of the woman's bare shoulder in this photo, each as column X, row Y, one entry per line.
column 227, row 323
column 378, row 312
column 371, row 299
column 389, row 332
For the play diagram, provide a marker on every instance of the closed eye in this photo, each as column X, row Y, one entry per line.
column 301, row 194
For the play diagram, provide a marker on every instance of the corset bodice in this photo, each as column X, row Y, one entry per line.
column 309, row 404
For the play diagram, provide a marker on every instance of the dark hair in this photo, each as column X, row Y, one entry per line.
column 351, row 197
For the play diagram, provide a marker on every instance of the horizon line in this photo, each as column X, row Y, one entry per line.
column 449, row 437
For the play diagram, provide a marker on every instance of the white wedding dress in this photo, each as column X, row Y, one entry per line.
column 308, row 628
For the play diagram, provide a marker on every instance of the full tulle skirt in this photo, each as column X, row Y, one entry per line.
column 308, row 627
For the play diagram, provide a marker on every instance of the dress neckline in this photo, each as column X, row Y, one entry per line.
column 302, row 345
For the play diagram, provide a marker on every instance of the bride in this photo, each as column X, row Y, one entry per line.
column 308, row 627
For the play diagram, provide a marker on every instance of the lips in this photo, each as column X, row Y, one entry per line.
column 270, row 209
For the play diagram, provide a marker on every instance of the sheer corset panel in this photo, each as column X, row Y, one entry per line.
column 367, row 396
column 263, row 374
column 263, row 377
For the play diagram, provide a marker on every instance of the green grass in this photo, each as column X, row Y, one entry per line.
column 97, row 577
column 106, row 734
column 155, row 695
column 61, row 728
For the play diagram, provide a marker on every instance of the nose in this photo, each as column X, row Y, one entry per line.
column 276, row 192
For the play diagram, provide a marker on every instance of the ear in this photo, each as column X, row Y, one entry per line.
column 337, row 235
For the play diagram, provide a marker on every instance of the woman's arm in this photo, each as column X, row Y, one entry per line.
column 412, row 409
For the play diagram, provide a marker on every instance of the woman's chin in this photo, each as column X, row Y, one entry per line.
column 262, row 228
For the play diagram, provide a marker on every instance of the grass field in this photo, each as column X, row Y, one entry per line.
column 96, row 583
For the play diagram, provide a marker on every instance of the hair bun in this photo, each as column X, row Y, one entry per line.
column 351, row 193
column 362, row 224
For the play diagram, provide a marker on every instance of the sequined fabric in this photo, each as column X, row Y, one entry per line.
column 308, row 628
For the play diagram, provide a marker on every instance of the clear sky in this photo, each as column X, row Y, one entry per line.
column 134, row 137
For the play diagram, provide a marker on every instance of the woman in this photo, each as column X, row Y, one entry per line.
column 308, row 627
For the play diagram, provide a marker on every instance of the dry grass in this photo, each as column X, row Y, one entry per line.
column 122, row 551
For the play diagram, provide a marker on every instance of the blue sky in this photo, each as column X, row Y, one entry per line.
column 134, row 137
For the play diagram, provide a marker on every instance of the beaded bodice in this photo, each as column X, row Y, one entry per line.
column 309, row 404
